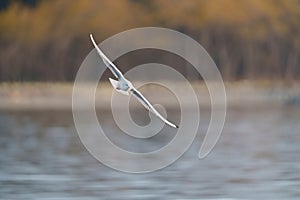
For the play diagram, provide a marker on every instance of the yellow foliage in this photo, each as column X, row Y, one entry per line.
column 69, row 18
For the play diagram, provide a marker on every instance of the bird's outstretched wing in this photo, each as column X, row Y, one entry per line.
column 148, row 105
column 117, row 73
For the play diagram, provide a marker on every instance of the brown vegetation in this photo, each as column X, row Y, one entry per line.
column 249, row 39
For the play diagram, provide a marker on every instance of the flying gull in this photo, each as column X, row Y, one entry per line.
column 124, row 86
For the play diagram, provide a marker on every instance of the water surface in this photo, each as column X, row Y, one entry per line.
column 257, row 157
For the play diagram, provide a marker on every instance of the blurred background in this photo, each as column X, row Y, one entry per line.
column 256, row 46
column 47, row 40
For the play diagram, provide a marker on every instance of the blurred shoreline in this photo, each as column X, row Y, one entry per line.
column 58, row 96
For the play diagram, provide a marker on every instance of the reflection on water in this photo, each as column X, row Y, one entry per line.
column 257, row 156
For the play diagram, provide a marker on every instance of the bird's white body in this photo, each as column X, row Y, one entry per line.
column 121, row 86
column 124, row 86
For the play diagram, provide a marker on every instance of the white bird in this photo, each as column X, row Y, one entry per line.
column 124, row 86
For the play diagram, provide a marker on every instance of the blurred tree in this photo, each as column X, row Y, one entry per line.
column 47, row 40
column 5, row 3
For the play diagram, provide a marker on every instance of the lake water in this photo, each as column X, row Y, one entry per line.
column 257, row 157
